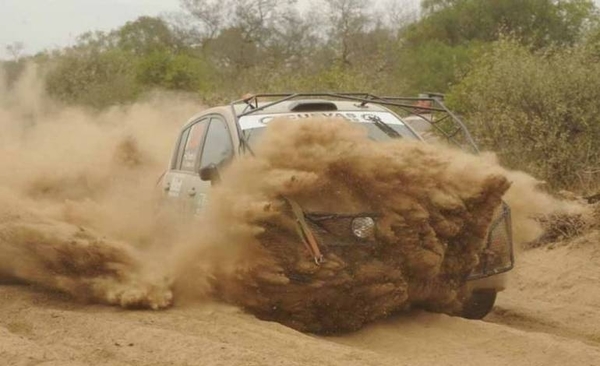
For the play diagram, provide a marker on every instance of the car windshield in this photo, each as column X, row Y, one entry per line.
column 254, row 125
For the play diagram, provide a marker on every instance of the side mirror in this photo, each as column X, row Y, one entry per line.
column 210, row 173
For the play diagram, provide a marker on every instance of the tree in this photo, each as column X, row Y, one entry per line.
column 93, row 77
column 396, row 15
column 347, row 18
column 209, row 14
column 537, row 23
column 292, row 41
column 174, row 72
column 432, row 6
column 542, row 116
column 253, row 17
column 238, row 33
column 146, row 35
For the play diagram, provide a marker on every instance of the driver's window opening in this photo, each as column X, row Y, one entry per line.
column 218, row 148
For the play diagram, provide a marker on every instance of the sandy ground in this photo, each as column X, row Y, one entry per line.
column 548, row 316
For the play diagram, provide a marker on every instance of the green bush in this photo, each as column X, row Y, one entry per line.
column 535, row 23
column 540, row 112
column 92, row 78
column 435, row 66
column 172, row 71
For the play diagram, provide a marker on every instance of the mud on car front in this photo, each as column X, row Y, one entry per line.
column 324, row 254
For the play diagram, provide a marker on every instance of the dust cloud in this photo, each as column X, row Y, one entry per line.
column 80, row 212
column 433, row 209
column 433, row 204
column 78, row 196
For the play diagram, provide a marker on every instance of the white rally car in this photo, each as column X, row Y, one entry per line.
column 211, row 139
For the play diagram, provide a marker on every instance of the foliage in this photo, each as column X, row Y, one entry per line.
column 146, row 35
column 172, row 71
column 537, row 23
column 435, row 66
column 89, row 77
column 110, row 68
column 538, row 111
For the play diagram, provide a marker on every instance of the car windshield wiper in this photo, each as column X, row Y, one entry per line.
column 383, row 126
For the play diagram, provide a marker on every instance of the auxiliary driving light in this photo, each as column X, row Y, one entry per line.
column 363, row 227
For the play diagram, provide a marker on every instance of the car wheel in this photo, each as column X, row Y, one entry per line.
column 479, row 304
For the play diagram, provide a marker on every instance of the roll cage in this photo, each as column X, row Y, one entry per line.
column 429, row 107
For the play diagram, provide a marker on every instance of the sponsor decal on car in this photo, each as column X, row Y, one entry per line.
column 260, row 120
column 175, row 186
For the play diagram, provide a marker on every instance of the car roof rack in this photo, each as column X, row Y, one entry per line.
column 429, row 107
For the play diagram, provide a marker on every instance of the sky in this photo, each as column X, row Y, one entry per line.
column 42, row 24
column 50, row 24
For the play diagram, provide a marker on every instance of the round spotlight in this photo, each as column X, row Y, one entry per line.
column 363, row 227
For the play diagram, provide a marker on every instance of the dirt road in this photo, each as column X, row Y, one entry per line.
column 548, row 316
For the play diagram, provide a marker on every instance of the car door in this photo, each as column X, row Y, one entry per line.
column 218, row 150
column 177, row 183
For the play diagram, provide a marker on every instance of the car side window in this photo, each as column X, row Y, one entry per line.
column 192, row 146
column 218, row 148
column 189, row 146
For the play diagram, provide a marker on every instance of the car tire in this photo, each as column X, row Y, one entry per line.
column 479, row 304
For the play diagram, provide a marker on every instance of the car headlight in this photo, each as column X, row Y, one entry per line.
column 363, row 227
